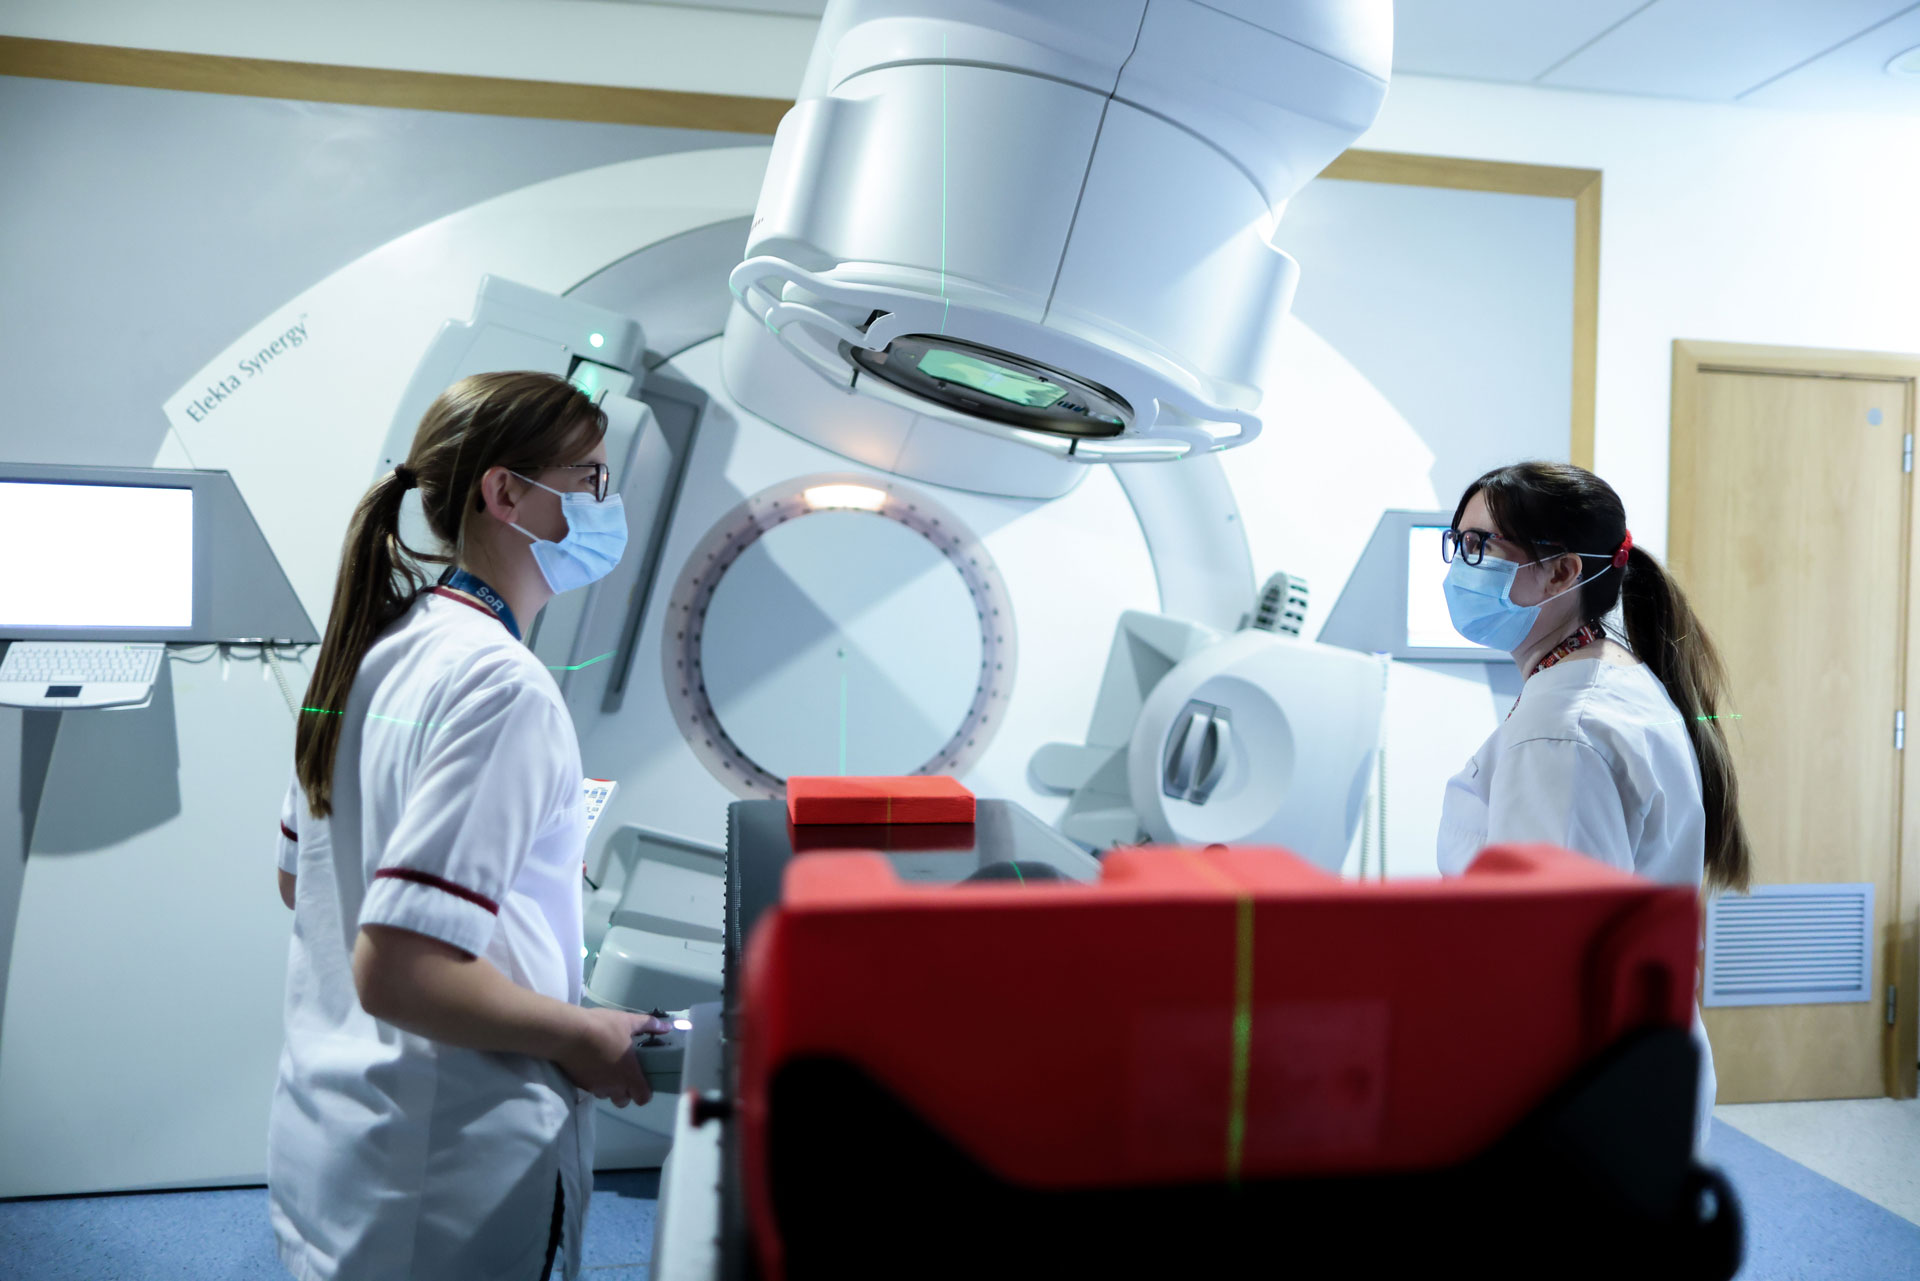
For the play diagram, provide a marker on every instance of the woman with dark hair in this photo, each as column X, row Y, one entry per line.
column 1615, row 748
column 432, row 1117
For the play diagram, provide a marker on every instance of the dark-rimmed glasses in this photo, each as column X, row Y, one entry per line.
column 1470, row 545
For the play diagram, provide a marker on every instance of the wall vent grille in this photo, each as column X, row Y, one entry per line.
column 1790, row 945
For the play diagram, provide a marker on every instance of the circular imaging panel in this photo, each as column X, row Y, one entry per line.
column 835, row 624
column 840, row 642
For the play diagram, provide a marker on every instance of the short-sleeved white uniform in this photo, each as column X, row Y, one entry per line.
column 456, row 814
column 1595, row 759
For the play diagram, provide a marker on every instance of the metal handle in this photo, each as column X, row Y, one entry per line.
column 1185, row 756
column 1219, row 737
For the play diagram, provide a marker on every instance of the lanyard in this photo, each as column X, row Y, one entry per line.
column 1587, row 635
column 466, row 583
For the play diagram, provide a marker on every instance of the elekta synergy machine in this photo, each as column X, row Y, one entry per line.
column 971, row 360
column 997, row 246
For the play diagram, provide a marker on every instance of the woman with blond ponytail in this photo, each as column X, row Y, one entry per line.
column 432, row 1116
column 1615, row 749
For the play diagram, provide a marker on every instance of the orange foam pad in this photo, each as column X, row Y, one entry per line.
column 922, row 798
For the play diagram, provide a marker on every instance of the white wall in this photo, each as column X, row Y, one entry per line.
column 1733, row 224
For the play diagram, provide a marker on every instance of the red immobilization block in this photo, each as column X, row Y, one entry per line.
column 921, row 798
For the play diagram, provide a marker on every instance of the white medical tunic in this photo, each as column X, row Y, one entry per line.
column 456, row 814
column 1595, row 759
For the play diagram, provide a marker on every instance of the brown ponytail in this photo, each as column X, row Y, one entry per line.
column 1557, row 508
column 1668, row 637
column 521, row 421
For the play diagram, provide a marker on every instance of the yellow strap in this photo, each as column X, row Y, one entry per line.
column 1242, row 1011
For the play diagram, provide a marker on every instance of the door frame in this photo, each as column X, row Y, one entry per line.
column 1900, row 949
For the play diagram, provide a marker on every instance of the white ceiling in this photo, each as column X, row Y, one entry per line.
column 1827, row 55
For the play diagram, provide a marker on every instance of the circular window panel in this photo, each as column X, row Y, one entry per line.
column 837, row 624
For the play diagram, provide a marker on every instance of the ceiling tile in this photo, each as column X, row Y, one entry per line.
column 1496, row 39
column 1712, row 50
column 1853, row 77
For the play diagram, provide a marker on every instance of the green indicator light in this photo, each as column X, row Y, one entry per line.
column 991, row 379
column 598, row 340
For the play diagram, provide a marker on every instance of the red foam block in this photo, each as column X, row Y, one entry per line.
column 921, row 798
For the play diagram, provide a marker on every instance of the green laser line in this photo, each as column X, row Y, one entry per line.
column 843, row 712
column 400, row 720
column 1018, row 875
column 577, row 666
column 1242, row 1036
column 943, row 187
column 373, row 716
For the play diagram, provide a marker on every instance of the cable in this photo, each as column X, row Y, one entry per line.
column 1366, row 826
column 1380, row 792
column 273, row 660
column 1383, row 799
column 178, row 653
column 268, row 652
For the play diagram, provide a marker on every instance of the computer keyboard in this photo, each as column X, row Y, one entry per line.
column 80, row 662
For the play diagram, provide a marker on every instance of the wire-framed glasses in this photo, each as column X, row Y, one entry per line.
column 600, row 476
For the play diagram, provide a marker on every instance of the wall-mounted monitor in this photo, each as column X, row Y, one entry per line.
column 137, row 554
column 1395, row 602
column 96, row 557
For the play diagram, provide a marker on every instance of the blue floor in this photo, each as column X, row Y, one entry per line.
column 1801, row 1226
column 223, row 1235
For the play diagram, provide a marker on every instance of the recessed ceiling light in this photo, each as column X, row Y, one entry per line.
column 1905, row 64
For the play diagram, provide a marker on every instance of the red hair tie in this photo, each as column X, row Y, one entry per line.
column 1626, row 545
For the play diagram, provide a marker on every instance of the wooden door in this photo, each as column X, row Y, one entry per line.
column 1790, row 507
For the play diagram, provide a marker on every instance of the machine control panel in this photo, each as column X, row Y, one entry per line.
column 596, row 792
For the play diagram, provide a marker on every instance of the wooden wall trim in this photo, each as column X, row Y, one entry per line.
column 375, row 87
column 553, row 100
column 1586, row 320
column 1582, row 186
column 1413, row 170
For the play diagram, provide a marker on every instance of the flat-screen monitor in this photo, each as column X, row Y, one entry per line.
column 138, row 554
column 1395, row 600
column 116, row 558
column 1429, row 626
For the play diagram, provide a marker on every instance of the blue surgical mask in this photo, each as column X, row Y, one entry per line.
column 1480, row 602
column 596, row 538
